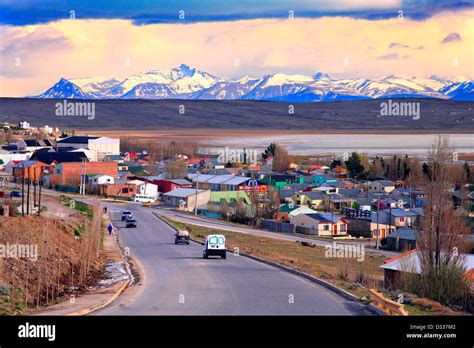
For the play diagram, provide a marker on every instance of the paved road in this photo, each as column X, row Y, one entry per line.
column 179, row 282
column 218, row 224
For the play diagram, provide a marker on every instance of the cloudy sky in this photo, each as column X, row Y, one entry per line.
column 42, row 41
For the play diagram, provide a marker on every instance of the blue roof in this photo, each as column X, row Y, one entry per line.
column 404, row 233
column 325, row 217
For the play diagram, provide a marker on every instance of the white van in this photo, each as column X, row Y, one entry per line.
column 214, row 245
column 143, row 198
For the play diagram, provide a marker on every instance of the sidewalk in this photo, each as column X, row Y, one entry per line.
column 98, row 297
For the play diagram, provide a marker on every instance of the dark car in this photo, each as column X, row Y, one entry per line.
column 131, row 223
column 126, row 215
column 16, row 194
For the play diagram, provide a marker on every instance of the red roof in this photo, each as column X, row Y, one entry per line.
column 197, row 160
column 401, row 255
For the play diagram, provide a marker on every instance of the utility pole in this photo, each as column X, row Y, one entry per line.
column 34, row 187
column 28, row 193
column 23, row 190
column 378, row 216
column 39, row 191
column 82, row 189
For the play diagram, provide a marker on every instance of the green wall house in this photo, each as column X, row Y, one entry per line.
column 278, row 181
column 229, row 196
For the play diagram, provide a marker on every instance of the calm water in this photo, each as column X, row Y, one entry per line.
column 373, row 144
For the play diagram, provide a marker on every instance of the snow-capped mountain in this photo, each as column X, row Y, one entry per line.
column 65, row 89
column 184, row 82
column 459, row 91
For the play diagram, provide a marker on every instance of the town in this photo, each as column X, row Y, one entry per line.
column 353, row 202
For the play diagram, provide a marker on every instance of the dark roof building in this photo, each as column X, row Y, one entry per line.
column 76, row 140
column 58, row 157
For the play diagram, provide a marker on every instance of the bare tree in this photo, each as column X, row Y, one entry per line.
column 440, row 243
column 281, row 161
column 176, row 169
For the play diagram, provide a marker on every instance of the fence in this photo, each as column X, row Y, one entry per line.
column 306, row 230
column 68, row 189
column 274, row 226
column 387, row 305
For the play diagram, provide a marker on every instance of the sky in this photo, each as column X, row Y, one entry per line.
column 43, row 41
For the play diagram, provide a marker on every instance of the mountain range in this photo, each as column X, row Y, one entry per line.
column 184, row 82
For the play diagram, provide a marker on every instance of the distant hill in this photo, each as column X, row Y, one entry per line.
column 435, row 115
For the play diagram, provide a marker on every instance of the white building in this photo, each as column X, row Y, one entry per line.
column 145, row 188
column 102, row 146
column 101, row 180
column 185, row 198
column 47, row 129
column 24, row 125
column 300, row 210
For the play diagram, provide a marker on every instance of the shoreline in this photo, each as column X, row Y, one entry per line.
column 204, row 132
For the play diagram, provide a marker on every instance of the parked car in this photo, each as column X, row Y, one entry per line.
column 214, row 245
column 131, row 223
column 126, row 215
column 16, row 194
column 182, row 236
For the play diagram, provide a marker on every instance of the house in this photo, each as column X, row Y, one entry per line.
column 200, row 180
column 213, row 164
column 321, row 224
column 148, row 188
column 13, row 157
column 386, row 186
column 286, row 196
column 69, row 173
column 216, row 182
column 172, row 184
column 187, row 199
column 410, row 262
column 29, row 170
column 388, row 220
column 243, row 183
column 231, row 197
column 101, row 179
column 313, row 199
column 402, row 239
column 320, row 179
column 282, row 214
column 281, row 180
column 24, row 125
column 300, row 210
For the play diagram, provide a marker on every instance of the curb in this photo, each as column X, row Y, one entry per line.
column 102, row 304
column 341, row 292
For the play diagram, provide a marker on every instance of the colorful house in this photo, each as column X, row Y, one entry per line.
column 323, row 224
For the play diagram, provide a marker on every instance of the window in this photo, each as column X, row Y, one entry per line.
column 343, row 228
column 325, row 227
column 213, row 240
